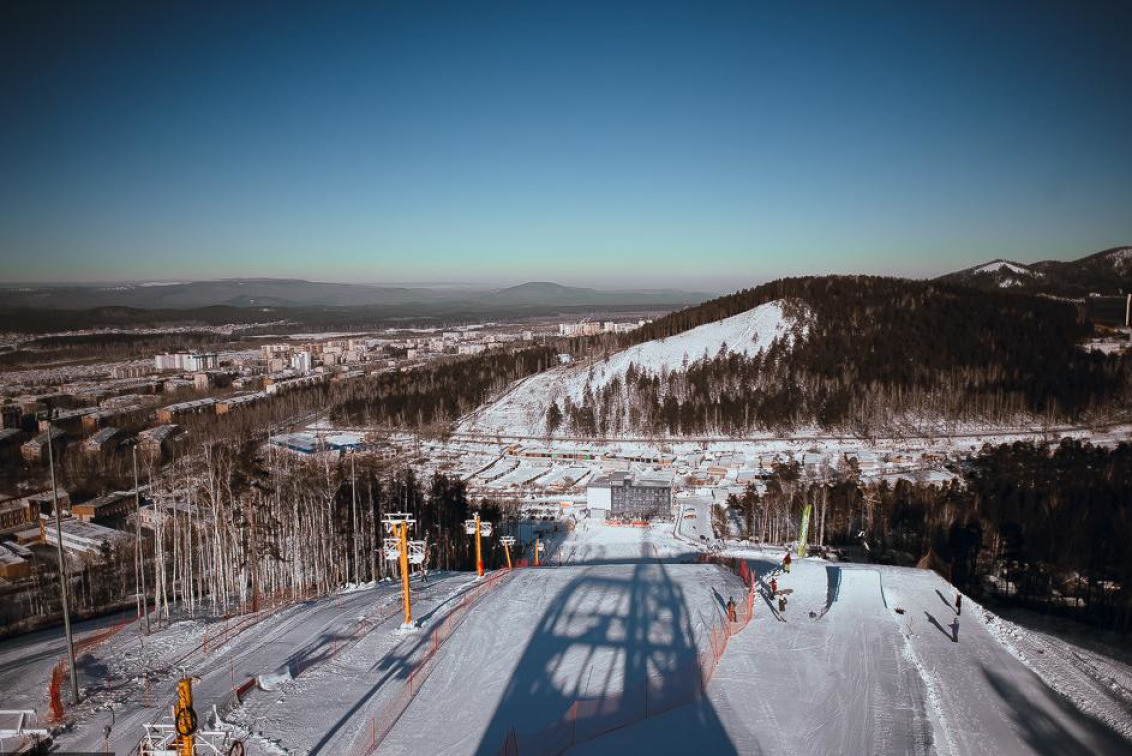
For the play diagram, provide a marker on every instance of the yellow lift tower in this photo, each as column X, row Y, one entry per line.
column 508, row 542
column 478, row 527
column 398, row 547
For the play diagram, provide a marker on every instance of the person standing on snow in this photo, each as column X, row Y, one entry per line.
column 731, row 610
column 958, row 603
column 955, row 630
column 774, row 586
column 786, row 563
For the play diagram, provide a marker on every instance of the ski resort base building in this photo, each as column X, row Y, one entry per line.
column 625, row 496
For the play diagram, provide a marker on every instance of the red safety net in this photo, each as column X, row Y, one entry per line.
column 61, row 669
column 381, row 723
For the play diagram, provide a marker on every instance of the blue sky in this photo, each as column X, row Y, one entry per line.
column 708, row 145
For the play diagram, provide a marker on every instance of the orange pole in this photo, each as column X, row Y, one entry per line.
column 479, row 554
column 185, row 702
column 404, row 535
column 507, row 551
column 536, row 551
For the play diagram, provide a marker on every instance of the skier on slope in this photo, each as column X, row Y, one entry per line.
column 786, row 563
column 958, row 603
column 774, row 586
column 731, row 609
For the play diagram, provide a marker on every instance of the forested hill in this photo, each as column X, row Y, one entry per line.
column 871, row 355
column 881, row 348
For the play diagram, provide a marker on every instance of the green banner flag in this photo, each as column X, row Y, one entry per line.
column 803, row 531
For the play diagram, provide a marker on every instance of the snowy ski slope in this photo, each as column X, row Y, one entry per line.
column 841, row 671
column 523, row 408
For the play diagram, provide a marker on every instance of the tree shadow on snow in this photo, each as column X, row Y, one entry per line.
column 608, row 653
column 1041, row 722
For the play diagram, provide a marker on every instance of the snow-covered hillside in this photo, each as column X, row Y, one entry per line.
column 1004, row 265
column 523, row 408
column 1006, row 274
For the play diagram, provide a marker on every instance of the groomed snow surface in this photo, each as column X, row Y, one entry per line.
column 839, row 672
column 523, row 408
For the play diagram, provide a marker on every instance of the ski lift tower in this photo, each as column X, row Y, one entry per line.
column 508, row 542
column 406, row 552
column 477, row 528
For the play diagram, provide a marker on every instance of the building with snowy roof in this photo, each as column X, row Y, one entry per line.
column 101, row 442
column 35, row 451
column 81, row 537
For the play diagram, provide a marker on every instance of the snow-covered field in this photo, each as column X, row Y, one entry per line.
column 840, row 671
column 523, row 408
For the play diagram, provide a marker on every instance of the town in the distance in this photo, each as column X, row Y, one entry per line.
column 481, row 378
column 270, row 508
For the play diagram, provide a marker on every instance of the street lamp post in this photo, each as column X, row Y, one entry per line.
column 63, row 576
column 138, row 540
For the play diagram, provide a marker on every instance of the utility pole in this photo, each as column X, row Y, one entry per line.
column 354, row 517
column 63, row 576
column 138, row 540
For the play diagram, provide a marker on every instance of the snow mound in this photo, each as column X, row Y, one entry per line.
column 999, row 266
column 522, row 410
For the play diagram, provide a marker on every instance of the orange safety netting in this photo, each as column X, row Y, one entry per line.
column 61, row 669
column 381, row 723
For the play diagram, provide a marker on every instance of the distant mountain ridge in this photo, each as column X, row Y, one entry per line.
column 1108, row 273
column 284, row 292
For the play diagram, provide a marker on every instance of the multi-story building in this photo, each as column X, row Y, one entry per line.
column 156, row 441
column 187, row 362
column 101, row 442
column 35, row 451
column 301, row 362
column 110, row 510
column 129, row 371
column 82, row 537
column 624, row 496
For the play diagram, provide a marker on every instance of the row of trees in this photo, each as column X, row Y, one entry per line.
column 233, row 524
column 1048, row 527
column 435, row 395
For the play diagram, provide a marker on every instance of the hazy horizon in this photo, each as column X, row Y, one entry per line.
column 636, row 145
